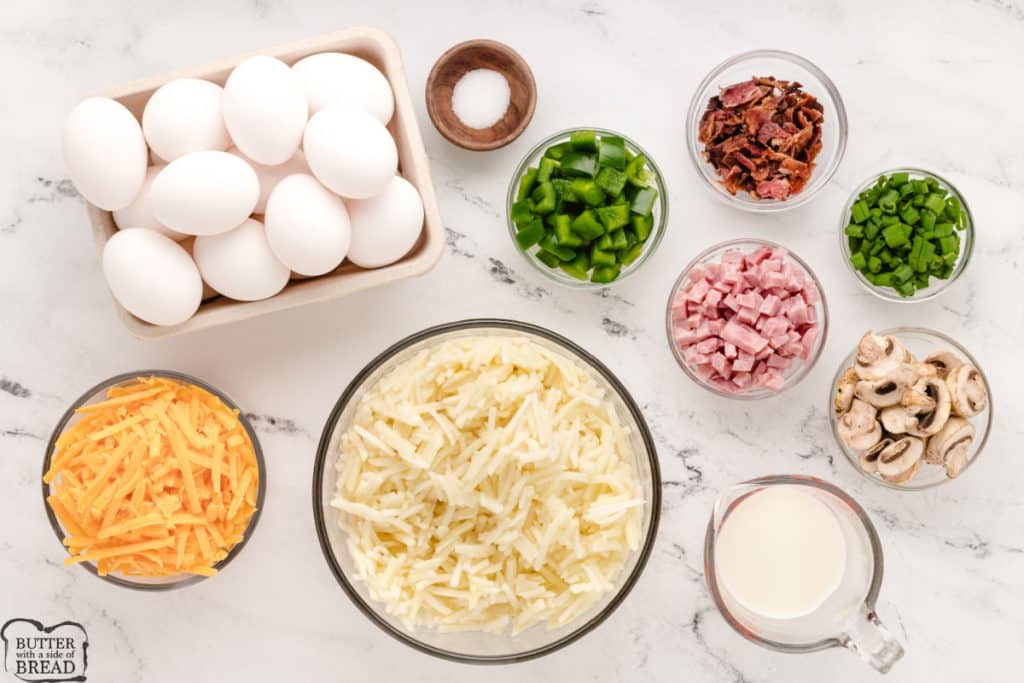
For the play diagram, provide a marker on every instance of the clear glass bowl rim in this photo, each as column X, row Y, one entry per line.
column 792, row 380
column 654, row 241
column 800, row 480
column 320, row 466
column 887, row 293
column 186, row 579
column 698, row 104
column 854, row 461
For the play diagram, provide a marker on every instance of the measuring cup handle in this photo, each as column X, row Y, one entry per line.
column 869, row 638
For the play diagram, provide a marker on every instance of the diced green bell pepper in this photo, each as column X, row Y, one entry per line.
column 587, row 191
column 610, row 180
column 636, row 171
column 546, row 168
column 520, row 213
column 548, row 259
column 578, row 268
column 619, row 240
column 614, row 216
column 643, row 202
column 605, row 274
column 631, row 254
column 562, row 224
column 578, row 164
column 611, row 153
column 530, row 234
column 543, row 198
column 526, row 184
column 587, row 225
column 584, row 141
column 549, row 244
column 642, row 226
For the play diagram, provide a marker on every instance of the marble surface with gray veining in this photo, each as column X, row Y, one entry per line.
column 934, row 83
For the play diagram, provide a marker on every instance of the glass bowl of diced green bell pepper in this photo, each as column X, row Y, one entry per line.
column 906, row 234
column 587, row 207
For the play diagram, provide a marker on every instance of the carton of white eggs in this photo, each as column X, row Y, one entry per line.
column 276, row 167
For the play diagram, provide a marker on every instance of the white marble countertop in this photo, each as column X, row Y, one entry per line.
column 935, row 84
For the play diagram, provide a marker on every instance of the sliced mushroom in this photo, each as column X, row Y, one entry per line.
column 858, row 427
column 898, row 419
column 944, row 362
column 844, row 392
column 869, row 459
column 878, row 357
column 928, row 400
column 881, row 393
column 967, row 391
column 899, row 461
column 955, row 436
column 957, row 460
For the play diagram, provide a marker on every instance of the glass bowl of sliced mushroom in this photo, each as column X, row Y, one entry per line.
column 910, row 408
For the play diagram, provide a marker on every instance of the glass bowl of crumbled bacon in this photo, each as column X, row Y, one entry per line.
column 766, row 130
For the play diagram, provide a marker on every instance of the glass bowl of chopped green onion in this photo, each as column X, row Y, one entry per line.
column 907, row 234
column 587, row 207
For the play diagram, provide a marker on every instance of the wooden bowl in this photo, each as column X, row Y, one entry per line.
column 481, row 54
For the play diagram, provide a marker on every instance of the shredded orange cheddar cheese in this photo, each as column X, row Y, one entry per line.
column 158, row 479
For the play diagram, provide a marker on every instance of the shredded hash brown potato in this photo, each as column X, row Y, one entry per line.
column 157, row 480
column 487, row 484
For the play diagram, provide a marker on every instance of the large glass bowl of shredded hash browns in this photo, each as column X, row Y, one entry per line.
column 486, row 491
column 153, row 480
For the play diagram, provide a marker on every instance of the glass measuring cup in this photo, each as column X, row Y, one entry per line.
column 846, row 618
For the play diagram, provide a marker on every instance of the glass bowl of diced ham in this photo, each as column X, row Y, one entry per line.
column 746, row 319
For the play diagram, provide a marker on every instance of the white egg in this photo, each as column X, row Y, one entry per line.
column 139, row 214
column 335, row 78
column 350, row 152
column 307, row 226
column 239, row 263
column 385, row 227
column 204, row 193
column 270, row 176
column 184, row 115
column 152, row 276
column 105, row 152
column 265, row 109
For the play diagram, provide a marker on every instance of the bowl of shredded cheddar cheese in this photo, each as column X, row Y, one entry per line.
column 153, row 480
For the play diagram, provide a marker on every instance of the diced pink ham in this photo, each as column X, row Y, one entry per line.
column 721, row 365
column 770, row 305
column 797, row 313
column 743, row 322
column 808, row 340
column 709, row 345
column 744, row 362
column 773, row 327
column 697, row 273
column 772, row 379
column 698, row 290
column 811, row 294
column 743, row 337
column 747, row 315
column 742, row 380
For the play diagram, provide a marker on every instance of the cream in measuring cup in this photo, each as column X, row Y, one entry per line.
column 794, row 564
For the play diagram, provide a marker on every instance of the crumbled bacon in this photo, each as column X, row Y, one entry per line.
column 762, row 137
